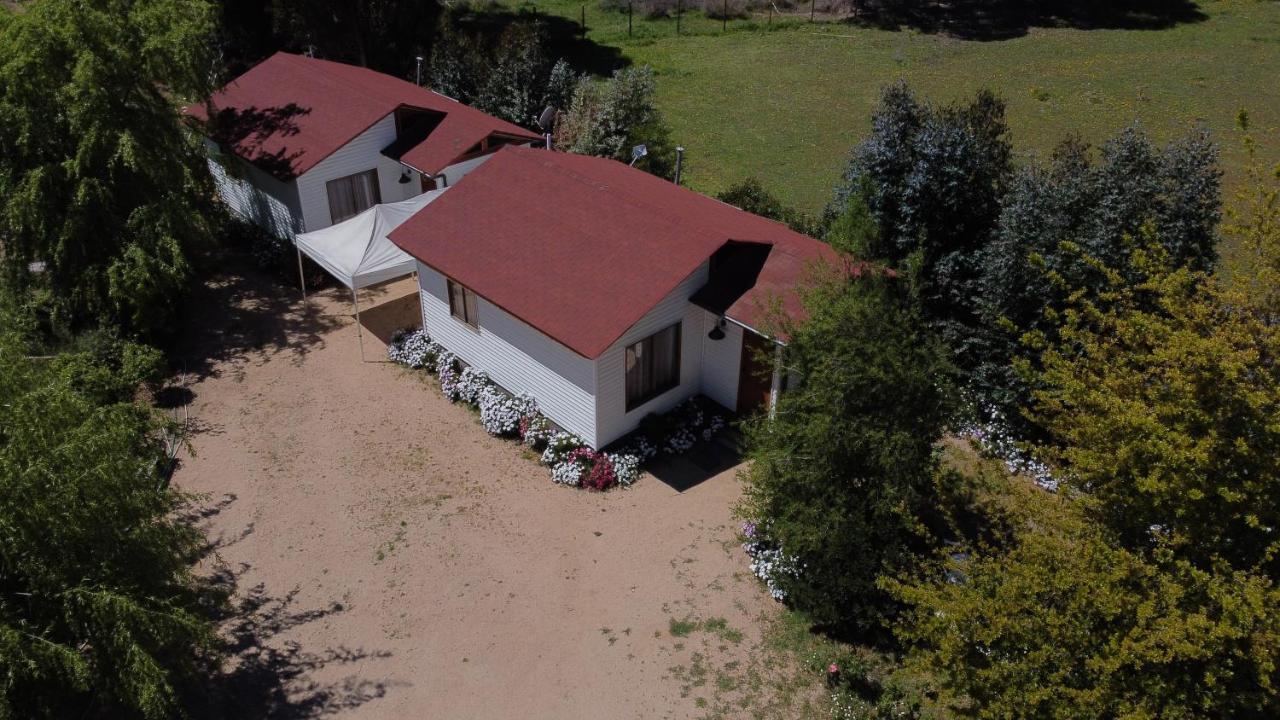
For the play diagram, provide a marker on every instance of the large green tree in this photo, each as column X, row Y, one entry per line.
column 1062, row 218
column 99, row 183
column 1161, row 400
column 1063, row 624
column 841, row 478
column 99, row 613
column 932, row 178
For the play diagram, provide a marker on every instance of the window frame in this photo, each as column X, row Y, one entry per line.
column 468, row 314
column 658, row 389
column 328, row 193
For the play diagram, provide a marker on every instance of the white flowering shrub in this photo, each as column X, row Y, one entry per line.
column 535, row 430
column 769, row 563
column 447, row 371
column 559, row 447
column 641, row 447
column 413, row 348
column 994, row 439
column 470, row 384
column 567, row 473
column 626, row 467
column 679, row 441
column 500, row 414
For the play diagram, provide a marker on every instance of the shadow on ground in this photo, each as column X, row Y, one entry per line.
column 683, row 472
column 241, row 311
column 1004, row 19
column 264, row 675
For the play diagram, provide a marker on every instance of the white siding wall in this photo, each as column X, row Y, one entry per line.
column 256, row 196
column 452, row 174
column 363, row 153
column 612, row 419
column 721, row 362
column 515, row 355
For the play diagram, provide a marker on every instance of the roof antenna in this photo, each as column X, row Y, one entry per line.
column 417, row 73
column 679, row 161
column 638, row 152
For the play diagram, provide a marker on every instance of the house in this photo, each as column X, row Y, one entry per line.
column 604, row 292
column 298, row 144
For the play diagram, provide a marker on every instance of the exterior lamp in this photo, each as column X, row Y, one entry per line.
column 717, row 332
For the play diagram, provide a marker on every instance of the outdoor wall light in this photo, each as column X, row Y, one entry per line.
column 717, row 332
column 404, row 177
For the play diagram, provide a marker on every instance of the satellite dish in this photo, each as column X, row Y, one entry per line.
column 547, row 117
column 638, row 152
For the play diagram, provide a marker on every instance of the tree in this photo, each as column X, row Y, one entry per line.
column 99, row 613
column 1253, row 226
column 98, row 180
column 385, row 35
column 751, row 196
column 932, row 178
column 1160, row 396
column 518, row 78
column 608, row 119
column 841, row 478
column 1062, row 218
column 1064, row 624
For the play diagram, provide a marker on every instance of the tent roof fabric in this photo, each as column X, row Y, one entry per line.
column 357, row 252
column 290, row 112
column 582, row 247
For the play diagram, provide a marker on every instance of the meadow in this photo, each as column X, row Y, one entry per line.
column 784, row 101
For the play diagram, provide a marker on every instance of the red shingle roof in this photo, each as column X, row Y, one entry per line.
column 582, row 247
column 289, row 112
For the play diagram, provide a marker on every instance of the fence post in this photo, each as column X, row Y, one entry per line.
column 679, row 9
column 629, row 3
column 724, row 19
column 770, row 13
column 812, row 3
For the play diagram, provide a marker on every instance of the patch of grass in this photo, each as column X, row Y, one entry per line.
column 786, row 102
column 682, row 628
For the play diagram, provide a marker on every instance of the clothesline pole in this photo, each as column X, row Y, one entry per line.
column 355, row 303
column 302, row 279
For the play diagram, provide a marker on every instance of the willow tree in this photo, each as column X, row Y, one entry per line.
column 99, row 182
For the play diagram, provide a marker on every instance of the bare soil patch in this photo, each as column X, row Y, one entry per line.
column 391, row 560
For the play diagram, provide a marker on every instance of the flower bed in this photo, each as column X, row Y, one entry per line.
column 571, row 460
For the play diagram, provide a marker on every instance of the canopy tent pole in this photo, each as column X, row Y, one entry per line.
column 302, row 279
column 355, row 303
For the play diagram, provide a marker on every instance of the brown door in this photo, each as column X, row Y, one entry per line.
column 755, row 377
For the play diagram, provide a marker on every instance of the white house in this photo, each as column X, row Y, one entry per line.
column 604, row 292
column 297, row 144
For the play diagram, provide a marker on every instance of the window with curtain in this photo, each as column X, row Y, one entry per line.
column 462, row 303
column 653, row 366
column 351, row 195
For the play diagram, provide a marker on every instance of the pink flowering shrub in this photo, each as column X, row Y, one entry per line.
column 602, row 475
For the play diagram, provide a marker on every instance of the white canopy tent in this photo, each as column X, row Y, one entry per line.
column 357, row 252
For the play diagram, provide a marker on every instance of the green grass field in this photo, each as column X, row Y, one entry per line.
column 786, row 102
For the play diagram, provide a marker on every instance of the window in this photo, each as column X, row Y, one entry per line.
column 462, row 303
column 653, row 366
column 352, row 195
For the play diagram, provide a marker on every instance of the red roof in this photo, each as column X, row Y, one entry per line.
column 582, row 247
column 289, row 112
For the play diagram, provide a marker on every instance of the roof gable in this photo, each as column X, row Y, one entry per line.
column 290, row 112
column 582, row 247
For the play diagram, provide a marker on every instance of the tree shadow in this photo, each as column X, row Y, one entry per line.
column 258, row 673
column 1005, row 19
column 246, row 129
column 241, row 311
column 265, row 677
column 564, row 37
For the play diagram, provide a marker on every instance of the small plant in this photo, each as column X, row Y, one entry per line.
column 535, row 431
column 682, row 628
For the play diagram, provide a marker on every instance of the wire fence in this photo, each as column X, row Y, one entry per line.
column 651, row 19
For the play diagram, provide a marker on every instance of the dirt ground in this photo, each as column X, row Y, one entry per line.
column 390, row 560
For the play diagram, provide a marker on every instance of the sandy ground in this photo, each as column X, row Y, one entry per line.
column 390, row 560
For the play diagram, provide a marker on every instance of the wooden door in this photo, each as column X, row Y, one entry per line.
column 755, row 374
